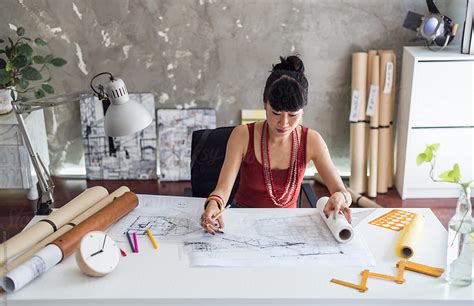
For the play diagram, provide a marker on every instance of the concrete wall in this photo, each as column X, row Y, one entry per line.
column 209, row 53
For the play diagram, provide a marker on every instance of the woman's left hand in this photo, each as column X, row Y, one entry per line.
column 337, row 203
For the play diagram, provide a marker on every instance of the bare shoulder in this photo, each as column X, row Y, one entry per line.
column 314, row 138
column 239, row 139
column 315, row 145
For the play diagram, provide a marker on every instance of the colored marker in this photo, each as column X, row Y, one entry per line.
column 130, row 240
column 153, row 241
column 135, row 241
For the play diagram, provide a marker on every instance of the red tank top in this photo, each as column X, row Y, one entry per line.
column 252, row 192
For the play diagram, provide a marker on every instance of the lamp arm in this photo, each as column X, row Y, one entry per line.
column 45, row 182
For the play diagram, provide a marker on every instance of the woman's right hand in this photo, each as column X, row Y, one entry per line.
column 209, row 221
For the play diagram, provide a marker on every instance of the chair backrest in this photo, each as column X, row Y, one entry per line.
column 208, row 148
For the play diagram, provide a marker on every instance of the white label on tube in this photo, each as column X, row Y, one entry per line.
column 374, row 91
column 355, row 102
column 388, row 78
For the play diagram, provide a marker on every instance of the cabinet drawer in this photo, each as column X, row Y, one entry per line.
column 443, row 94
column 457, row 146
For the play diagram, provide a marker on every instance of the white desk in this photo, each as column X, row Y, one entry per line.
column 164, row 277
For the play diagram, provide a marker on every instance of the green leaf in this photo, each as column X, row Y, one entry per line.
column 39, row 93
column 24, row 38
column 47, row 88
column 421, row 158
column 31, row 73
column 23, row 83
column 456, row 173
column 446, row 176
column 2, row 63
column 40, row 43
column 8, row 51
column 58, row 62
column 428, row 154
column 5, row 77
column 20, row 31
column 20, row 61
column 9, row 66
column 1, row 41
column 25, row 49
column 48, row 58
column 2, row 51
column 434, row 147
column 38, row 59
column 11, row 42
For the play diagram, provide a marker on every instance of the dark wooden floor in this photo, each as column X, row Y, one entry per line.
column 16, row 210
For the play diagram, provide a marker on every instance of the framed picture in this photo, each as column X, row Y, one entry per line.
column 175, row 129
column 128, row 157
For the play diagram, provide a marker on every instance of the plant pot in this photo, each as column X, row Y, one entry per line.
column 5, row 100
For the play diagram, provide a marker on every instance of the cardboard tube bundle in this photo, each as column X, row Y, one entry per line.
column 358, row 179
column 29, row 237
column 339, row 227
column 66, row 244
column 67, row 227
column 410, row 237
column 374, row 127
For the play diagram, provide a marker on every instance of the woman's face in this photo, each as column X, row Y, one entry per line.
column 281, row 124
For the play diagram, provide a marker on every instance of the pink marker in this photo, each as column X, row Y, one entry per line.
column 135, row 241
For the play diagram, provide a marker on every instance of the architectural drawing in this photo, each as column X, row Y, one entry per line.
column 164, row 226
column 175, row 129
column 129, row 157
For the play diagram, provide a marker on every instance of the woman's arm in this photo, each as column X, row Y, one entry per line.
column 318, row 152
column 235, row 151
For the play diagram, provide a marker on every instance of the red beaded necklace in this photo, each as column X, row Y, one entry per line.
column 290, row 185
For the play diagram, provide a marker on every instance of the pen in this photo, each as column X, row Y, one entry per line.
column 130, row 240
column 222, row 211
column 153, row 241
column 135, row 240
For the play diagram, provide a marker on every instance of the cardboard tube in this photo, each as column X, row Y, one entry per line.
column 30, row 236
column 384, row 125
column 97, row 222
column 358, row 179
column 64, row 229
column 393, row 95
column 374, row 132
column 357, row 198
column 410, row 237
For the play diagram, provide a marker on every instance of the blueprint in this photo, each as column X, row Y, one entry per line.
column 252, row 237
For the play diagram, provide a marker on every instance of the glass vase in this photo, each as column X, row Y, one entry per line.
column 459, row 253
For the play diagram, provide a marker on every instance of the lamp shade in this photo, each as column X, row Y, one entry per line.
column 125, row 119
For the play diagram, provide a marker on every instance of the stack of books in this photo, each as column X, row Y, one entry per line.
column 467, row 46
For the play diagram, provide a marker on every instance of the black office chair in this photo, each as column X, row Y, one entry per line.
column 208, row 149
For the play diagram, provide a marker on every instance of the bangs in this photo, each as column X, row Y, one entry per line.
column 286, row 95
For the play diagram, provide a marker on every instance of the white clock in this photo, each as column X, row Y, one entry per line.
column 97, row 254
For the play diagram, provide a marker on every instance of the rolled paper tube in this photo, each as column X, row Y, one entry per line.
column 358, row 179
column 374, row 131
column 64, row 229
column 410, row 237
column 58, row 218
column 357, row 198
column 391, row 168
column 97, row 222
column 384, row 125
column 339, row 227
column 65, row 245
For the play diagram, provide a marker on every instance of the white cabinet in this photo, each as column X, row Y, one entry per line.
column 16, row 170
column 436, row 106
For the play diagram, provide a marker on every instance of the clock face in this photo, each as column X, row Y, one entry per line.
column 97, row 254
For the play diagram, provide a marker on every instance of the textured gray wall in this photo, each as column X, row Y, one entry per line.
column 209, row 53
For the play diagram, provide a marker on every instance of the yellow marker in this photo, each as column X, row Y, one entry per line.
column 153, row 241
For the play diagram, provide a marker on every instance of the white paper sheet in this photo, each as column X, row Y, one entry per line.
column 168, row 218
column 41, row 262
column 275, row 237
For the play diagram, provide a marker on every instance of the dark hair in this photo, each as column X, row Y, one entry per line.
column 286, row 88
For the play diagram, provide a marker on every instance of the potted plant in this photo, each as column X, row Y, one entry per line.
column 22, row 70
column 459, row 254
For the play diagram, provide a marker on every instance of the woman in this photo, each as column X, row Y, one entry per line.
column 272, row 155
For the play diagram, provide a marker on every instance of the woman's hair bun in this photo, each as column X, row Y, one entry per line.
column 290, row 63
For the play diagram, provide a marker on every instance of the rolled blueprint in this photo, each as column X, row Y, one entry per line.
column 32, row 235
column 384, row 125
column 410, row 237
column 339, row 227
column 391, row 168
column 65, row 245
column 358, row 179
column 357, row 198
column 374, row 128
column 41, row 262
column 64, row 229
